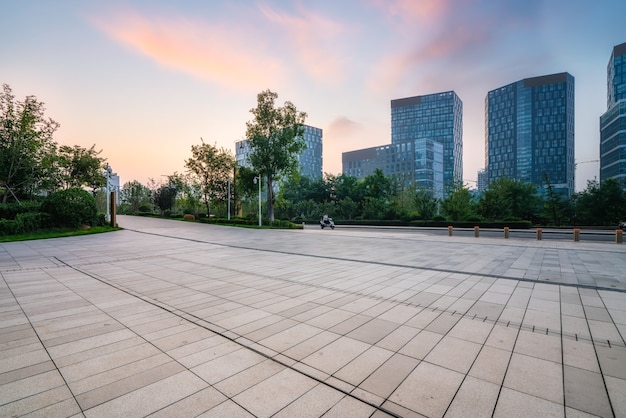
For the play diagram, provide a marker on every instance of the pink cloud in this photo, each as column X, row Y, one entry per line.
column 207, row 51
column 315, row 40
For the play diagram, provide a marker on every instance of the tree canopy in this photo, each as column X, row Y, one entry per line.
column 275, row 137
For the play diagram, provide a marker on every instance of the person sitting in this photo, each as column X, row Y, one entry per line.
column 325, row 219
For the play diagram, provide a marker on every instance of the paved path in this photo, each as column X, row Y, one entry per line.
column 167, row 318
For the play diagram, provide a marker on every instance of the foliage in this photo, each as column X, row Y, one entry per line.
column 80, row 166
column 425, row 204
column 458, row 205
column 164, row 198
column 27, row 150
column 70, row 208
column 509, row 198
column 211, row 169
column 601, row 203
column 134, row 196
column 275, row 137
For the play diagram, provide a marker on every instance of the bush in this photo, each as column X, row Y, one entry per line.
column 11, row 210
column 31, row 221
column 70, row 208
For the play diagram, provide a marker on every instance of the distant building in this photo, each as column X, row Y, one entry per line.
column 426, row 145
column 437, row 117
column 416, row 163
column 613, row 121
column 310, row 159
column 481, row 181
column 529, row 132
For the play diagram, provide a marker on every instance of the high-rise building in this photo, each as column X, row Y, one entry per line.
column 310, row 159
column 437, row 117
column 481, row 180
column 529, row 132
column 613, row 121
column 416, row 163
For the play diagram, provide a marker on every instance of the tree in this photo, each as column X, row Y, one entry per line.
column 26, row 145
column 509, row 198
column 425, row 204
column 601, row 203
column 134, row 195
column 458, row 205
column 211, row 168
column 80, row 166
column 275, row 137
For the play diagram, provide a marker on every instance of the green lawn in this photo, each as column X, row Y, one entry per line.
column 57, row 233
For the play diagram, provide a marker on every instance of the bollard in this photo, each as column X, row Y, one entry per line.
column 302, row 225
column 618, row 236
column 576, row 234
column 539, row 231
column 450, row 230
column 506, row 232
column 476, row 229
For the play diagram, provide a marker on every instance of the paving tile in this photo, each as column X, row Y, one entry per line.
column 475, row 395
column 389, row 375
column 514, row 404
column 335, row 355
column 363, row 366
column 248, row 377
column 454, row 354
column 428, row 390
column 39, row 401
column 612, row 361
column 314, row 403
column 617, row 393
column 536, row 377
column 285, row 387
column 421, row 344
column 491, row 365
column 535, row 344
column 227, row 365
column 585, row 391
column 148, row 398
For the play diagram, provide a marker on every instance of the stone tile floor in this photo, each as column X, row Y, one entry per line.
column 168, row 318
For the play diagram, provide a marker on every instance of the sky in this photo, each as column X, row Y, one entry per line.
column 144, row 80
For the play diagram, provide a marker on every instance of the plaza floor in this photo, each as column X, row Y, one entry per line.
column 177, row 319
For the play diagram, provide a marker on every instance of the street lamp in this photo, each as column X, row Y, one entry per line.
column 108, row 171
column 257, row 179
column 229, row 198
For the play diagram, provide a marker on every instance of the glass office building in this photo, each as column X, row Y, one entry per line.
column 529, row 132
column 310, row 159
column 613, row 121
column 437, row 117
column 416, row 163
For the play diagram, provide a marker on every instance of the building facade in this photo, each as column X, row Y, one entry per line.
column 416, row 163
column 309, row 160
column 613, row 121
column 437, row 117
column 529, row 132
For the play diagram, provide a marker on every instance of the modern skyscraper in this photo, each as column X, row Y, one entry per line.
column 613, row 121
column 437, row 117
column 529, row 132
column 310, row 159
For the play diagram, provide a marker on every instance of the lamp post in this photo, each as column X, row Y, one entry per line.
column 108, row 171
column 229, row 198
column 257, row 179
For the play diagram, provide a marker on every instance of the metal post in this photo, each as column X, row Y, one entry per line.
column 258, row 180
column 229, row 198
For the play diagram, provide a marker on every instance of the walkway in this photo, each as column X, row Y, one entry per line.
column 169, row 318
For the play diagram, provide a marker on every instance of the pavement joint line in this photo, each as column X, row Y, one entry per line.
column 200, row 323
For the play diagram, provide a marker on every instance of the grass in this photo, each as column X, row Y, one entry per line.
column 57, row 233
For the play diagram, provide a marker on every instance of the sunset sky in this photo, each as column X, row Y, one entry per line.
column 144, row 80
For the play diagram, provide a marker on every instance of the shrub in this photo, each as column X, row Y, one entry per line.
column 30, row 221
column 70, row 208
column 189, row 217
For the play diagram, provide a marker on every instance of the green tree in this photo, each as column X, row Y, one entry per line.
column 27, row 147
column 507, row 198
column 425, row 204
column 211, row 168
column 80, row 166
column 458, row 205
column 134, row 195
column 601, row 203
column 275, row 137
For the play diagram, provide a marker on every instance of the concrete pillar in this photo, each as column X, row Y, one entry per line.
column 539, row 233
column 506, row 232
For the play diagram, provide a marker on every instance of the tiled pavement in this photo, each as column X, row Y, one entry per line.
column 171, row 319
